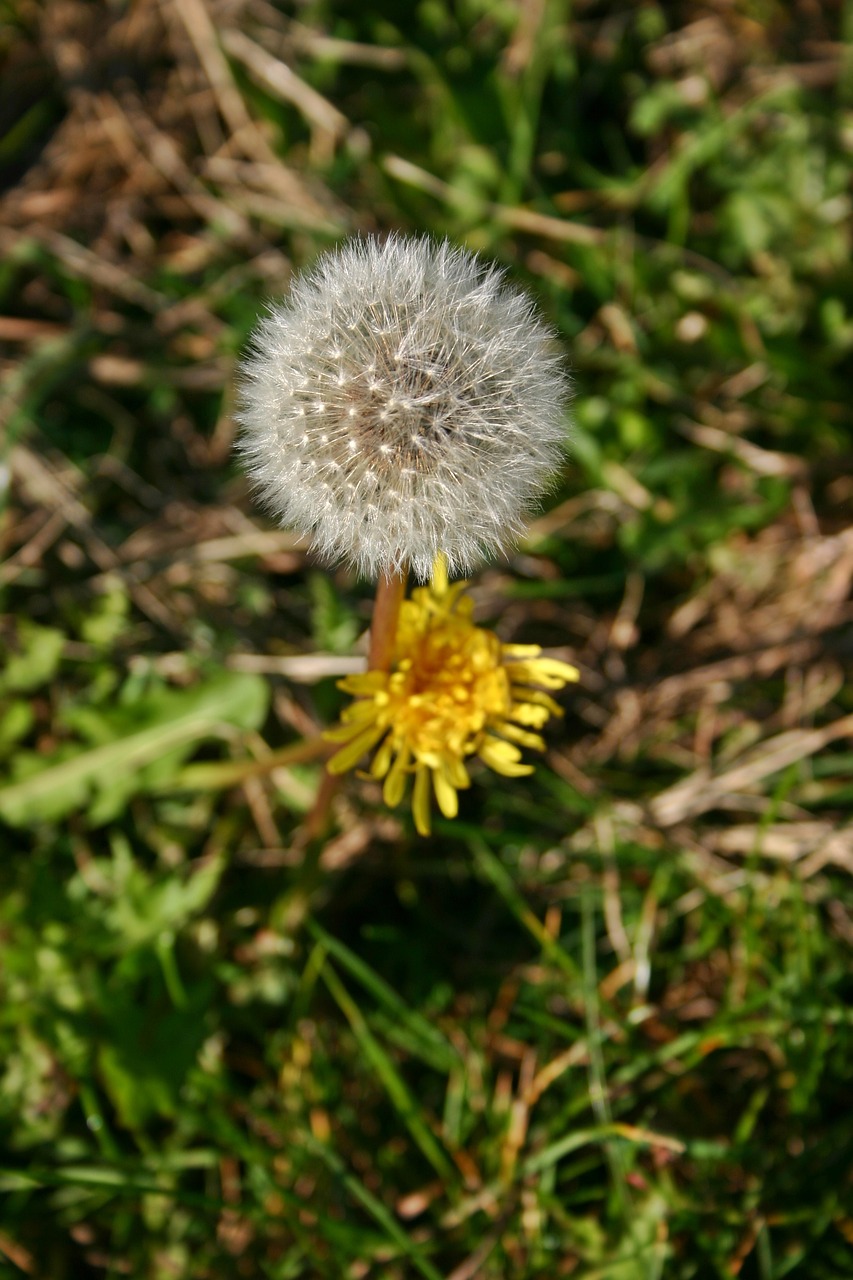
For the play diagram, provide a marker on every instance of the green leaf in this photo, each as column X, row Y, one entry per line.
column 149, row 1050
column 335, row 626
column 144, row 909
column 36, row 662
column 16, row 720
column 107, row 775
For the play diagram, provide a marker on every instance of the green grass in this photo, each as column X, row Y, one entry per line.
column 600, row 1025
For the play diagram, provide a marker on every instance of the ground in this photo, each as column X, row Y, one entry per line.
column 599, row 1024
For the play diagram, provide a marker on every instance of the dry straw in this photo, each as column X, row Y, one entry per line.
column 404, row 402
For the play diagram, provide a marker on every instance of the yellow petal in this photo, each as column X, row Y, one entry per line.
column 395, row 782
column 348, row 730
column 445, row 793
column 530, row 698
column 530, row 716
column 521, row 650
column 350, row 755
column 439, row 575
column 549, row 672
column 457, row 774
column 455, row 596
column 420, row 801
column 503, row 757
column 363, row 708
column 499, row 749
column 382, row 759
column 521, row 736
column 364, row 682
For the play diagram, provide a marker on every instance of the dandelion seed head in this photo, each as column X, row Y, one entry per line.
column 426, row 392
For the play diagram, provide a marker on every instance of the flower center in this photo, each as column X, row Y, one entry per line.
column 450, row 684
column 398, row 416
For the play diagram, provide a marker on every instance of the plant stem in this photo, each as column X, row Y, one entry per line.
column 390, row 591
column 318, row 820
column 213, row 776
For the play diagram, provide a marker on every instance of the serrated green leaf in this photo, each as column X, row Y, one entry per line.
column 185, row 718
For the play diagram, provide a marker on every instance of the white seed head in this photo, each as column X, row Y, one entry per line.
column 404, row 401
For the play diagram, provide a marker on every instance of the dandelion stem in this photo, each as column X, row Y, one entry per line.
column 318, row 821
column 389, row 596
column 390, row 591
column 215, row 775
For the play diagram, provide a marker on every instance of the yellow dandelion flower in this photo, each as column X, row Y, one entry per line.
column 453, row 691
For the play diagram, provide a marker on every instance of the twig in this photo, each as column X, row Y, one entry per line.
column 513, row 217
column 303, row 668
column 699, row 793
column 285, row 84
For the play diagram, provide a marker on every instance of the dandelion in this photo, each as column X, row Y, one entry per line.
column 404, row 409
column 453, row 691
column 405, row 401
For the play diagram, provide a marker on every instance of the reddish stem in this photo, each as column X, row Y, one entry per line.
column 390, row 591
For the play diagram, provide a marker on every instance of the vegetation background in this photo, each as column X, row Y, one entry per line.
column 600, row 1026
